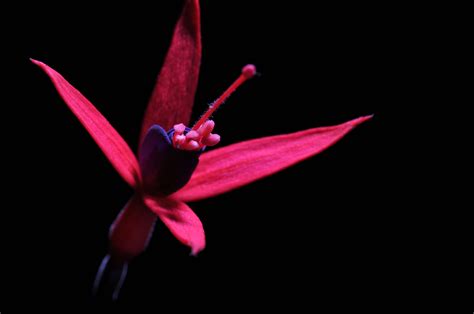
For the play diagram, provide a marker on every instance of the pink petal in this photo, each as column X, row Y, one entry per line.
column 111, row 143
column 173, row 97
column 181, row 220
column 131, row 231
column 231, row 167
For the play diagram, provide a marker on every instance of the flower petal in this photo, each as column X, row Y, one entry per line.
column 231, row 167
column 181, row 220
column 131, row 231
column 173, row 97
column 108, row 139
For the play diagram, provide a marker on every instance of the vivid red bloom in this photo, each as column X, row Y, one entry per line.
column 171, row 168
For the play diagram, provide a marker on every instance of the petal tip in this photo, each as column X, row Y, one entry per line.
column 367, row 117
column 42, row 65
column 362, row 119
column 36, row 61
column 196, row 251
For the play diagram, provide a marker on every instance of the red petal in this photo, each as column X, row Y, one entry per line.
column 230, row 167
column 111, row 143
column 131, row 231
column 173, row 97
column 181, row 220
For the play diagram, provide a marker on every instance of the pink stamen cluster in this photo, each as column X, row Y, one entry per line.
column 195, row 139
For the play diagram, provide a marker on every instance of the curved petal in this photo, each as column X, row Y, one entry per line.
column 231, row 167
column 132, row 229
column 108, row 139
column 173, row 97
column 181, row 220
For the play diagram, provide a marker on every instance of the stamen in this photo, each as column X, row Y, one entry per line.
column 179, row 128
column 206, row 129
column 211, row 140
column 192, row 135
column 248, row 72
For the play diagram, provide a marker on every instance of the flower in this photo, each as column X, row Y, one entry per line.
column 172, row 167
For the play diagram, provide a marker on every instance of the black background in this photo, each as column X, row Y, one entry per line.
column 320, row 232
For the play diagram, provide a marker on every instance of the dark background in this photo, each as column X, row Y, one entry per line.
column 322, row 231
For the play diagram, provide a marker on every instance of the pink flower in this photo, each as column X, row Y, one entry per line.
column 171, row 168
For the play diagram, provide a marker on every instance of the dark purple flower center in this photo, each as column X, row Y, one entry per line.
column 165, row 168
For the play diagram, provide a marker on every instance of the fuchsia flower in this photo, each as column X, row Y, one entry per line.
column 171, row 168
